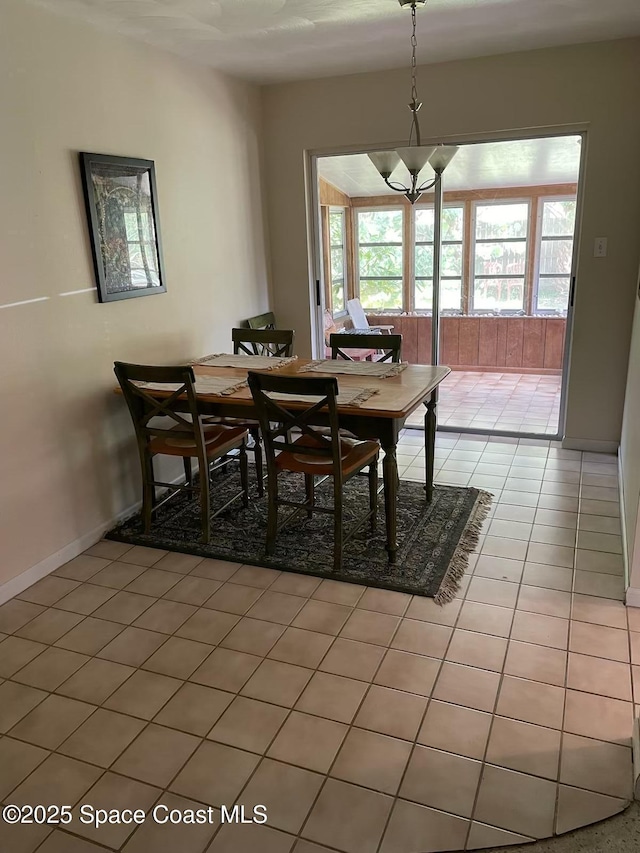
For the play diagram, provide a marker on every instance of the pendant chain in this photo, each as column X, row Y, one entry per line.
column 415, row 105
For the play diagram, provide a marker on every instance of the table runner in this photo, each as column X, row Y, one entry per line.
column 380, row 370
column 215, row 385
column 346, row 397
column 248, row 362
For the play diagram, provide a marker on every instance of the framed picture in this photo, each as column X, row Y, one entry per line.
column 122, row 209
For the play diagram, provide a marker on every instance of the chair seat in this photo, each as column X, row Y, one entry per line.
column 218, row 441
column 354, row 456
column 243, row 423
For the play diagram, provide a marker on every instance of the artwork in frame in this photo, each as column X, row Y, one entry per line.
column 122, row 209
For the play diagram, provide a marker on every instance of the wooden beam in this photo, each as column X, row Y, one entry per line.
column 332, row 195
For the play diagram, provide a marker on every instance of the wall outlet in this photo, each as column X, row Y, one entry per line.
column 600, row 247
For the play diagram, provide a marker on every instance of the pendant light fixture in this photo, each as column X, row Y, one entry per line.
column 415, row 156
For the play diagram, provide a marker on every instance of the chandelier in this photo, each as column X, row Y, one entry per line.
column 415, row 156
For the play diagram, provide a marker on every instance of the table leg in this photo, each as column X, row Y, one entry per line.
column 430, row 425
column 390, row 475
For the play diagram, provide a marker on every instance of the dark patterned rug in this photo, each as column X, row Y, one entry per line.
column 434, row 540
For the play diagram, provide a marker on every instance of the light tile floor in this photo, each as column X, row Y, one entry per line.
column 366, row 721
column 510, row 402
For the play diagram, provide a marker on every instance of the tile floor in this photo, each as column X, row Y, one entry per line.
column 366, row 721
column 511, row 402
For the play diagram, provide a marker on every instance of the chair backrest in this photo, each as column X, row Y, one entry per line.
column 145, row 406
column 356, row 312
column 390, row 345
column 274, row 342
column 277, row 421
column 262, row 321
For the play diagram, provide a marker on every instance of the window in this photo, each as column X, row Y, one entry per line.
column 500, row 256
column 555, row 252
column 141, row 247
column 451, row 272
column 380, row 259
column 337, row 258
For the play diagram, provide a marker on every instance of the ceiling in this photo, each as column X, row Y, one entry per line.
column 275, row 40
column 521, row 163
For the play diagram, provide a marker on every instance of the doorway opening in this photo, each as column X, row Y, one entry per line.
column 508, row 257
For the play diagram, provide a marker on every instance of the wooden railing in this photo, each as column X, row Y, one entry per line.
column 505, row 344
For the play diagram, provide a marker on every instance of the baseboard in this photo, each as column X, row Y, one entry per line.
column 626, row 557
column 590, row 444
column 27, row 578
column 632, row 597
column 635, row 743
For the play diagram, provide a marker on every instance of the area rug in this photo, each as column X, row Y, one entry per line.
column 434, row 540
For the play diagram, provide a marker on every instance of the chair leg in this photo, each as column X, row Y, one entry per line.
column 272, row 516
column 309, row 485
column 205, row 504
column 257, row 452
column 148, row 492
column 244, row 474
column 373, row 493
column 337, row 528
column 188, row 474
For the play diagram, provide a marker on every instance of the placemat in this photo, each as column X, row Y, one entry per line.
column 381, row 370
column 346, row 397
column 216, row 386
column 248, row 362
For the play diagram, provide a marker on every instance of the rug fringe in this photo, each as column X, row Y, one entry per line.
column 466, row 546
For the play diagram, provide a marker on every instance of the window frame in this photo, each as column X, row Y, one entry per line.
column 535, row 310
column 332, row 208
column 504, row 202
column 404, row 250
column 429, row 205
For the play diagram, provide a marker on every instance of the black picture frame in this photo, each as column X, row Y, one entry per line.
column 121, row 200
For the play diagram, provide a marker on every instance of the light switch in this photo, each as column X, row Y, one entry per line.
column 600, row 247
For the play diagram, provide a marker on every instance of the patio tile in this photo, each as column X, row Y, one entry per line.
column 17, row 761
column 415, row 827
column 194, row 709
column 602, row 767
column 332, row 696
column 156, row 755
column 102, row 738
column 391, row 712
column 132, row 646
column 248, row 724
column 409, row 672
column 52, row 721
column 289, row 791
column 367, row 626
column 478, row 650
column 441, row 780
column 215, row 773
column 348, row 817
column 536, row 663
column 596, row 675
column 113, row 791
column 89, row 636
column 276, row 682
column 308, row 742
column 16, row 653
column 143, row 694
column 423, row 638
column 95, row 681
column 59, row 781
column 50, row 669
column 302, row 648
column 578, row 808
column 178, row 657
column 226, row 669
column 253, row 636
column 516, row 802
column 455, row 729
column 467, row 686
column 372, row 760
column 16, row 701
column 524, row 747
column 531, row 702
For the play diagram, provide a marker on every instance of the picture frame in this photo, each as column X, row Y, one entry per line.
column 121, row 201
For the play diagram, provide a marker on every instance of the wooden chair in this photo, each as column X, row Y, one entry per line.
column 359, row 318
column 314, row 453
column 269, row 342
column 390, row 345
column 262, row 321
column 330, row 328
column 187, row 438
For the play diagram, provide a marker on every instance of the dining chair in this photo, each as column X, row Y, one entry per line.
column 359, row 318
column 269, row 342
column 313, row 453
column 265, row 342
column 389, row 345
column 262, row 321
column 187, row 437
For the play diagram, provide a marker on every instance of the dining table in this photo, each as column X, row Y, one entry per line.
column 381, row 416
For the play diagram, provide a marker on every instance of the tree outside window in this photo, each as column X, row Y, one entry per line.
column 451, row 271
column 555, row 255
column 380, row 259
column 337, row 258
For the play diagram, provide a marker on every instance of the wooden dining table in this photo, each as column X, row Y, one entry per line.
column 381, row 417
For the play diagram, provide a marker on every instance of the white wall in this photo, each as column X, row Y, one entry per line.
column 68, row 462
column 630, row 459
column 596, row 86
